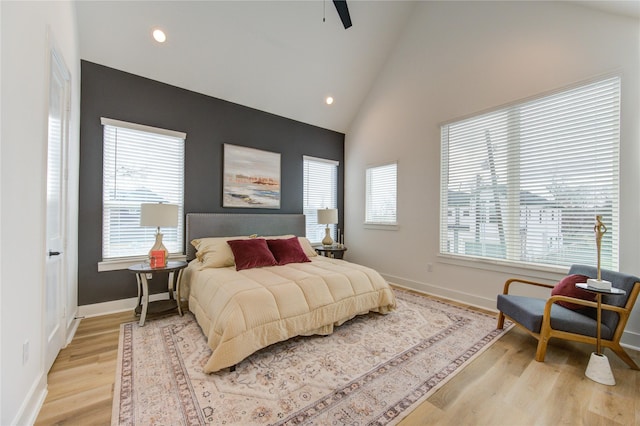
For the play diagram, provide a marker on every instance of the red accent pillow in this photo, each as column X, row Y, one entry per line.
column 287, row 250
column 252, row 253
column 567, row 287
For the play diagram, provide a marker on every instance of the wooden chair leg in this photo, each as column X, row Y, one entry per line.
column 541, row 350
column 619, row 350
column 501, row 321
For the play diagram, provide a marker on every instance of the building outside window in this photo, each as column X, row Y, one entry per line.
column 381, row 194
column 524, row 183
column 141, row 164
column 320, row 191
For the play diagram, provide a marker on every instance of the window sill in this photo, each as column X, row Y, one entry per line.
column 382, row 226
column 124, row 263
column 503, row 266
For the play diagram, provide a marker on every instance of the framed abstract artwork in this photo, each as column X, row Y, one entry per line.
column 251, row 178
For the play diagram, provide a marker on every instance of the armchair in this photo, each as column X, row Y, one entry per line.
column 545, row 319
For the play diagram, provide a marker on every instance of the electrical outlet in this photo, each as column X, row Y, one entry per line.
column 149, row 276
column 25, row 352
column 429, row 267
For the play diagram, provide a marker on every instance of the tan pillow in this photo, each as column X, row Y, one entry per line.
column 214, row 252
column 306, row 246
column 304, row 243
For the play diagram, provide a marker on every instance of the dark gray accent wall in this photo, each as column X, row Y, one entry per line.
column 209, row 124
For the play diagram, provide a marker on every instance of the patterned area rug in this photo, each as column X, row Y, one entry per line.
column 373, row 369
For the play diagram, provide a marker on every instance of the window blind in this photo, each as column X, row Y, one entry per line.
column 381, row 194
column 141, row 164
column 320, row 189
column 525, row 183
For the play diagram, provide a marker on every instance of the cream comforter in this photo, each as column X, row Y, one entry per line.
column 241, row 312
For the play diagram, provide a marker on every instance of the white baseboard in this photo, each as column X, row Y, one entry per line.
column 30, row 408
column 457, row 296
column 630, row 339
column 72, row 327
column 115, row 306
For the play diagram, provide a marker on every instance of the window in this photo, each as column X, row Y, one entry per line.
column 532, row 178
column 381, row 194
column 141, row 165
column 320, row 191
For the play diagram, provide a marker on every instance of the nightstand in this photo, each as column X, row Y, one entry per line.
column 144, row 306
column 335, row 252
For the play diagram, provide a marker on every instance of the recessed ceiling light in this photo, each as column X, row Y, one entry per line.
column 159, row 36
column 329, row 100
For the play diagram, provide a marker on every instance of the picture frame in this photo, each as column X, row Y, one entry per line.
column 251, row 178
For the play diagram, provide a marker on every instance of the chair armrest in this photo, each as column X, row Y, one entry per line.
column 517, row 280
column 589, row 303
column 573, row 300
column 613, row 308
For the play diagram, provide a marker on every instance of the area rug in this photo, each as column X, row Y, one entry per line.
column 374, row 369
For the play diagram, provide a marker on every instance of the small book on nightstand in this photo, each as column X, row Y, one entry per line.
column 157, row 259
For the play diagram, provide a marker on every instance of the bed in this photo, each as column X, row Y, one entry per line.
column 243, row 311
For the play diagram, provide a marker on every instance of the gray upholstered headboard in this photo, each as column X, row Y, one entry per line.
column 200, row 225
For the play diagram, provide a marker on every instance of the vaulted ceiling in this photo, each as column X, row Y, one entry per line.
column 283, row 57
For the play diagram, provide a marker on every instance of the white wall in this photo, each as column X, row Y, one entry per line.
column 459, row 58
column 26, row 31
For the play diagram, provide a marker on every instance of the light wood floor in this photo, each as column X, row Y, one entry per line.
column 504, row 386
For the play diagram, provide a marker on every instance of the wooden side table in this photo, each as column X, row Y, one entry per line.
column 144, row 306
column 335, row 252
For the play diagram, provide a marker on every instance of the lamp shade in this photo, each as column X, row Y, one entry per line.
column 327, row 216
column 158, row 214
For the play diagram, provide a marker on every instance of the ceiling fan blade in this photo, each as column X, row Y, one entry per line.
column 343, row 11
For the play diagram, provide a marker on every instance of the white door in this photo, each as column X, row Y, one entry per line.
column 55, row 291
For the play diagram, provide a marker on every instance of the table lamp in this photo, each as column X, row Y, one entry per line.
column 158, row 215
column 327, row 217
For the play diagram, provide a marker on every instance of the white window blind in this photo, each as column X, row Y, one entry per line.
column 320, row 189
column 525, row 183
column 381, row 194
column 141, row 165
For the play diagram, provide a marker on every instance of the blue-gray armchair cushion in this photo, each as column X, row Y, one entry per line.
column 528, row 312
